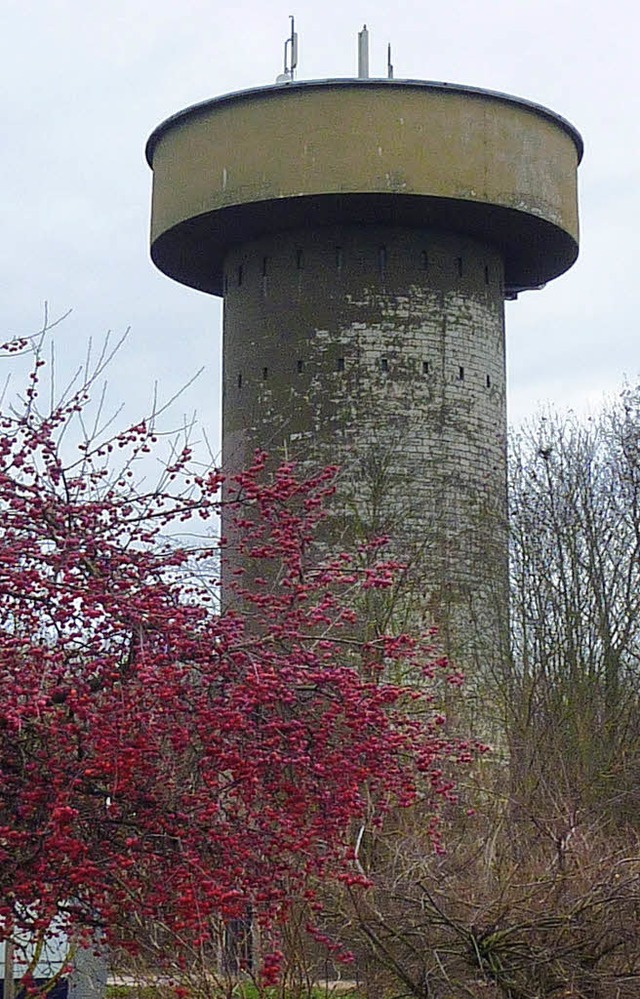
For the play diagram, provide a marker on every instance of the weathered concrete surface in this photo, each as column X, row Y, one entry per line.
column 382, row 349
column 89, row 975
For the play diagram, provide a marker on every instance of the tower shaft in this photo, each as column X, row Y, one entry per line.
column 381, row 349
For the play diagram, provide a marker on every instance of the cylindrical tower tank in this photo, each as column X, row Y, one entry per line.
column 364, row 235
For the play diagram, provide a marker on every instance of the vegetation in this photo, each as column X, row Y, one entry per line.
column 538, row 892
column 171, row 775
column 571, row 702
column 254, row 801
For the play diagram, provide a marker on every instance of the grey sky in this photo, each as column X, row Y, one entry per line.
column 84, row 84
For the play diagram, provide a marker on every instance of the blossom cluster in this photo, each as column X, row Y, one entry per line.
column 159, row 754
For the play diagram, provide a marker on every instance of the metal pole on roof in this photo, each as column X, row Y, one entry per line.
column 363, row 54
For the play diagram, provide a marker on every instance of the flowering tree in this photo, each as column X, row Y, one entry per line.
column 158, row 757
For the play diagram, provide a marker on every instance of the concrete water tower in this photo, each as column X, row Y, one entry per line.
column 364, row 234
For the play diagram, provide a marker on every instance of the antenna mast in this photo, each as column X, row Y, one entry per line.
column 363, row 53
column 291, row 51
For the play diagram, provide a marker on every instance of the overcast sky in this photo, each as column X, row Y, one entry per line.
column 84, row 83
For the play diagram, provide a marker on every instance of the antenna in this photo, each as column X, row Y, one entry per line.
column 363, row 53
column 389, row 63
column 294, row 46
column 290, row 55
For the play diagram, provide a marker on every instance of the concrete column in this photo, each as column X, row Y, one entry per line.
column 381, row 349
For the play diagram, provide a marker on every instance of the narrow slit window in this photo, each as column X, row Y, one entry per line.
column 486, row 274
column 300, row 366
column 339, row 258
column 488, row 381
column 460, row 374
column 299, row 259
column 424, row 257
column 265, row 374
column 384, row 364
column 340, row 364
column 426, row 368
column 459, row 266
column 382, row 261
column 240, row 275
column 239, row 379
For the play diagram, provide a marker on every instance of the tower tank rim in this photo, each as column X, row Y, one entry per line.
column 275, row 90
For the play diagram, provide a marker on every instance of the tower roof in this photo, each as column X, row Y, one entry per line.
column 406, row 152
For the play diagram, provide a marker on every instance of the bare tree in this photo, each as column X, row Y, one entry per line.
column 571, row 696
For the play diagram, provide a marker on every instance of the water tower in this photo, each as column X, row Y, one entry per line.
column 364, row 235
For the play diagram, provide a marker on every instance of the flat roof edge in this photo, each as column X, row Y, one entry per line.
column 274, row 89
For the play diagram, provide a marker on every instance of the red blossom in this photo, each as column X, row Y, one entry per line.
column 157, row 754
